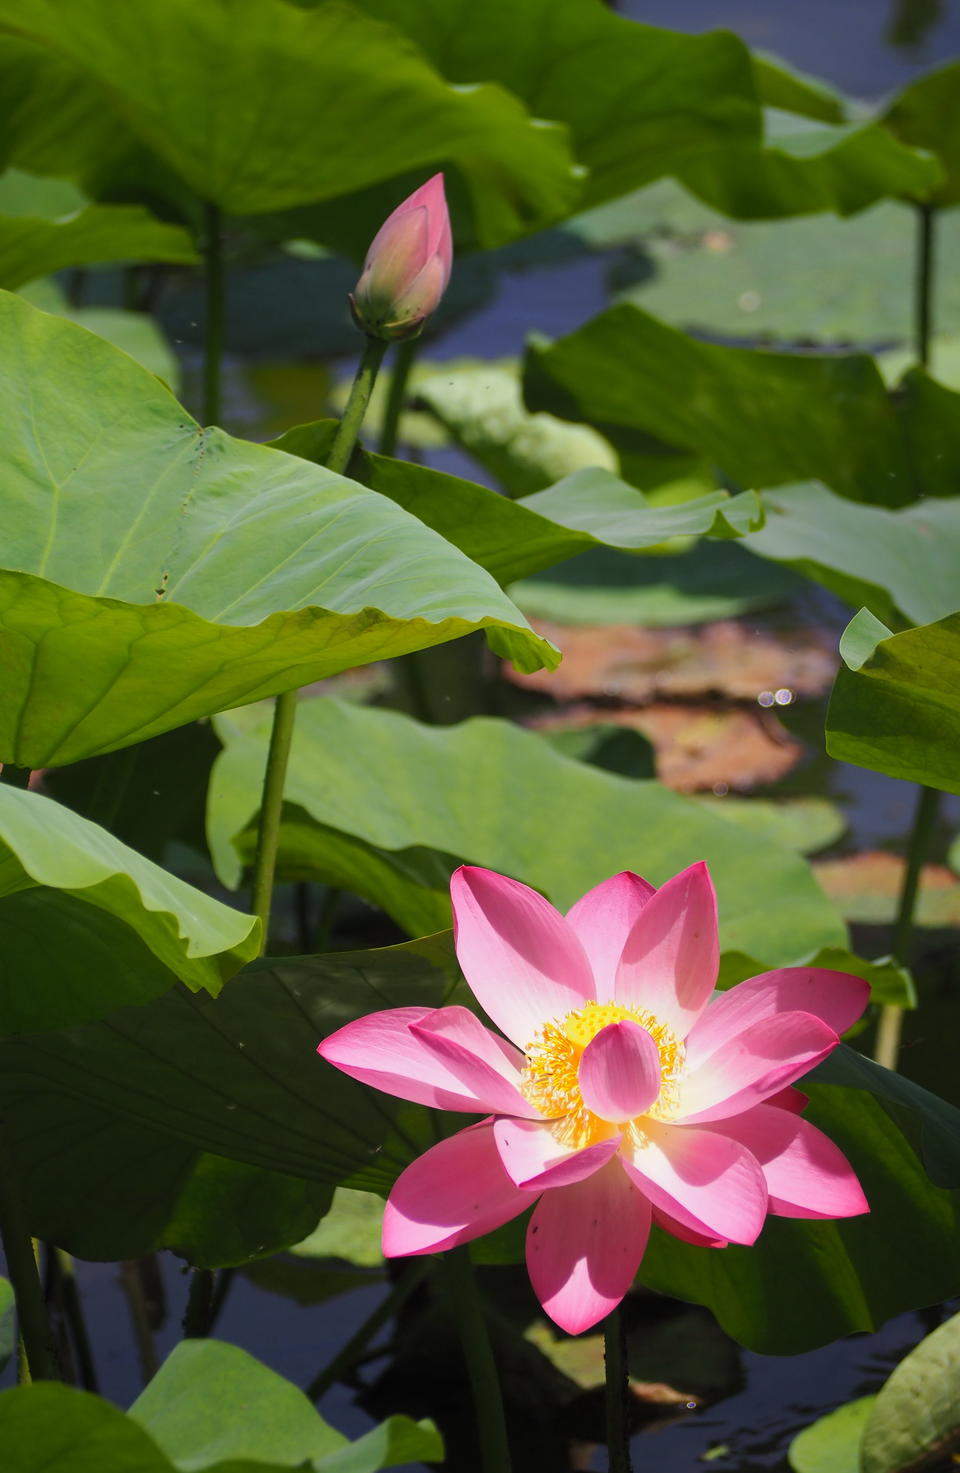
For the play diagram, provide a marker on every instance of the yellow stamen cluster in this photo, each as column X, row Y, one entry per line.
column 550, row 1076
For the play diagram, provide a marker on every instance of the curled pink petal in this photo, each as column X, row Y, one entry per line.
column 835, row 997
column 522, row 961
column 603, row 919
column 619, row 1071
column 382, row 1049
column 679, row 1230
column 710, row 1184
column 790, row 1099
column 671, row 957
column 806, row 1174
column 584, row 1246
column 474, row 1056
column 753, row 1065
column 456, row 1191
column 534, row 1159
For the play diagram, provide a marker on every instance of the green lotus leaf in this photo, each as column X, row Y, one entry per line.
column 896, row 702
column 901, row 564
column 39, row 237
column 267, row 137
column 588, row 508
column 763, row 418
column 393, row 806
column 915, row 1419
column 926, row 114
column 89, row 925
column 157, row 572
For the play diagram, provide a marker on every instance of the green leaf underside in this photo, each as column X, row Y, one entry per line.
column 39, row 243
column 89, row 925
column 267, row 137
column 807, row 168
column 895, row 705
column 926, row 114
column 901, row 564
column 916, row 1415
column 176, row 1065
column 232, row 572
column 764, row 418
column 591, row 507
column 386, row 806
column 637, row 99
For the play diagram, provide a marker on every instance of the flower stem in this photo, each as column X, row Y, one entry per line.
column 285, row 706
column 214, row 281
column 132, row 1285
column 923, row 298
column 196, row 1320
column 889, row 1028
column 37, row 1361
column 75, row 1318
column 410, row 1277
column 403, row 362
column 481, row 1366
column 617, row 1386
column 891, row 1017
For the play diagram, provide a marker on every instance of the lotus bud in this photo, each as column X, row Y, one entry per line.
column 407, row 266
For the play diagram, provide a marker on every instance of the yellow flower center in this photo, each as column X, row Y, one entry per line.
column 550, row 1078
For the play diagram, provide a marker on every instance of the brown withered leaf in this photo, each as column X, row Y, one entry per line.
column 866, row 888
column 733, row 658
column 700, row 748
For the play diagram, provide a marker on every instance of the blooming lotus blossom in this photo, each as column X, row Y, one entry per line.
column 407, row 267
column 624, row 1092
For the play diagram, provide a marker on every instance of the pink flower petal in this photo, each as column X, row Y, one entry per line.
column 753, row 1065
column 790, row 1099
column 456, row 1191
column 619, row 1071
column 671, row 957
column 584, row 1246
column 603, row 919
column 686, row 1235
column 709, row 1183
column 398, row 253
column 836, row 997
column 383, row 1050
column 477, row 1058
column 806, row 1174
column 522, row 961
column 534, row 1159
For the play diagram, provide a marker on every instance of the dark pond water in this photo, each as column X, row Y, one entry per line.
column 867, row 48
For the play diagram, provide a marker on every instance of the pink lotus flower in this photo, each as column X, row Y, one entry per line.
column 629, row 1094
column 407, row 266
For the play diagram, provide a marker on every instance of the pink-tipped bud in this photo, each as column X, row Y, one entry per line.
column 407, row 266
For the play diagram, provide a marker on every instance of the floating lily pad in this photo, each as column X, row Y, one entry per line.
column 866, row 888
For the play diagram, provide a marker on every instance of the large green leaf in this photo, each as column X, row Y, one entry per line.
column 927, row 115
column 807, row 168
column 764, row 418
column 386, row 806
column 213, row 1405
column 109, row 1121
column 915, row 1421
column 89, row 925
column 211, row 1408
column 637, row 99
column 159, row 572
column 896, row 702
column 137, row 333
column 309, row 103
column 589, row 508
column 176, row 1065
column 901, row 564
column 38, row 236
